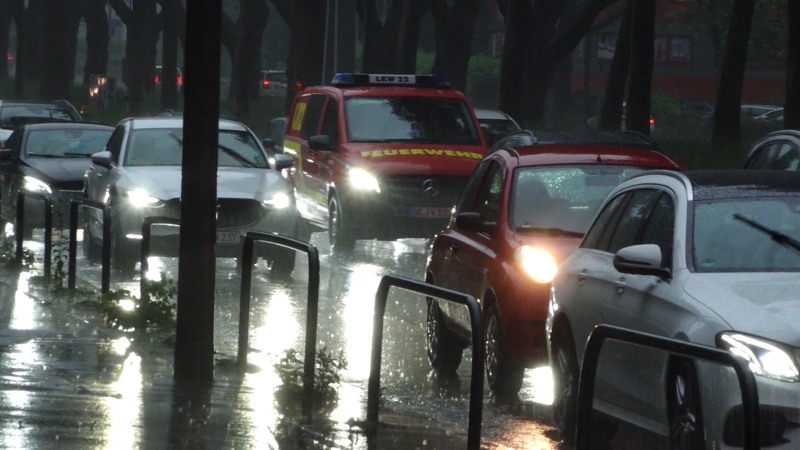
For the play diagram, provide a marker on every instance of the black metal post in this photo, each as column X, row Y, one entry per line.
column 105, row 277
column 48, row 227
column 145, row 249
column 194, row 337
column 312, row 309
column 476, row 322
column 591, row 358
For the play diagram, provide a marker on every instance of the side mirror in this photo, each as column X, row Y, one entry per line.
column 283, row 161
column 269, row 144
column 642, row 259
column 320, row 142
column 473, row 222
column 103, row 159
column 6, row 154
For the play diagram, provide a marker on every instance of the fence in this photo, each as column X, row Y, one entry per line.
column 48, row 227
column 105, row 277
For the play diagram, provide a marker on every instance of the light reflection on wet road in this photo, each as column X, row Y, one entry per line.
column 414, row 399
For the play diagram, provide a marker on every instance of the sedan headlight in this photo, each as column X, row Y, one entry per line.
column 279, row 201
column 140, row 198
column 36, row 185
column 361, row 179
column 538, row 264
column 764, row 358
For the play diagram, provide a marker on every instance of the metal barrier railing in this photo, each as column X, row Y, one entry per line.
column 311, row 313
column 476, row 320
column 105, row 277
column 145, row 249
column 48, row 227
column 591, row 358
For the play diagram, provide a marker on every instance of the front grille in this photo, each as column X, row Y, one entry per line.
column 410, row 190
column 231, row 212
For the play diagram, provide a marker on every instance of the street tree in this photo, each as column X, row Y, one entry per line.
column 454, row 28
column 640, row 76
column 5, row 30
column 539, row 35
column 61, row 21
column 791, row 111
column 94, row 13
column 390, row 39
column 727, row 132
column 306, row 20
column 251, row 23
column 611, row 114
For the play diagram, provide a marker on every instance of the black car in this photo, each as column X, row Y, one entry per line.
column 49, row 159
column 779, row 150
column 14, row 114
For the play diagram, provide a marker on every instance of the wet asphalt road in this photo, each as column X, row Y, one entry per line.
column 418, row 409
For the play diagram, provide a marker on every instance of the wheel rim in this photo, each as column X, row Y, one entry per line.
column 433, row 331
column 685, row 406
column 564, row 386
column 492, row 348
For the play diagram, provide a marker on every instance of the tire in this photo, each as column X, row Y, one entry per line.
column 303, row 232
column 123, row 254
column 684, row 408
column 340, row 234
column 444, row 352
column 503, row 376
column 565, row 383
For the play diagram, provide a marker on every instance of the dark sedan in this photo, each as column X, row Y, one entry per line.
column 49, row 159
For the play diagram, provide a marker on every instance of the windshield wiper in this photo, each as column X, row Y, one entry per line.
column 42, row 155
column 550, row 231
column 776, row 236
column 235, row 155
column 77, row 155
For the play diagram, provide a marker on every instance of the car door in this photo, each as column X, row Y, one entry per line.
column 97, row 178
column 325, row 161
column 787, row 157
column 10, row 179
column 763, row 157
column 304, row 123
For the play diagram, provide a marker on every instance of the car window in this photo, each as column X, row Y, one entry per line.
column 660, row 228
column 313, row 111
column 489, row 195
column 115, row 143
column 472, row 185
column 594, row 233
column 15, row 116
column 278, row 77
column 637, row 210
column 764, row 157
column 788, row 158
column 330, row 122
column 164, row 146
column 65, row 143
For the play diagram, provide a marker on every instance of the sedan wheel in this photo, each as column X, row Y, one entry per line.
column 504, row 377
column 565, row 383
column 683, row 406
column 339, row 234
column 444, row 353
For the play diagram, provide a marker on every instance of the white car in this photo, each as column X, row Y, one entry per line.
column 139, row 174
column 711, row 258
column 495, row 124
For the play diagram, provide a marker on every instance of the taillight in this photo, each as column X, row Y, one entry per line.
column 10, row 58
column 265, row 83
column 179, row 79
column 156, row 78
column 652, row 121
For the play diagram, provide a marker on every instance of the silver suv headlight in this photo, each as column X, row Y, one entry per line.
column 36, row 185
column 139, row 197
column 766, row 358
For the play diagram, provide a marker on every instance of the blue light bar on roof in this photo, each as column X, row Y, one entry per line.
column 364, row 79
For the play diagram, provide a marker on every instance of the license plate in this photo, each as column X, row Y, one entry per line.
column 431, row 213
column 228, row 238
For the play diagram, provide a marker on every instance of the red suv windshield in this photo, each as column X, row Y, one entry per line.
column 430, row 120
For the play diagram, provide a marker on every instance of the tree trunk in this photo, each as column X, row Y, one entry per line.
column 611, row 116
column 455, row 27
column 306, row 45
column 169, row 56
column 5, row 30
column 791, row 110
column 94, row 13
column 60, row 44
column 727, row 115
column 405, row 57
column 562, row 88
column 390, row 46
column 512, row 83
column 637, row 116
column 30, row 40
column 247, row 62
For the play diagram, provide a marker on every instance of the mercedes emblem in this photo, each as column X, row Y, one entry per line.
column 430, row 188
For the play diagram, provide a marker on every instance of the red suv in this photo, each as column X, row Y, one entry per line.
column 522, row 212
column 380, row 156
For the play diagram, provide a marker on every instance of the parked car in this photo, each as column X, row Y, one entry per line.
column 754, row 111
column 17, row 113
column 495, row 124
column 273, row 83
column 139, row 174
column 710, row 258
column 522, row 212
column 772, row 116
column 592, row 122
column 380, row 156
column 700, row 108
column 178, row 77
column 48, row 159
column 779, row 150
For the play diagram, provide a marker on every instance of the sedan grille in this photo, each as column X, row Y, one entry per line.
column 231, row 212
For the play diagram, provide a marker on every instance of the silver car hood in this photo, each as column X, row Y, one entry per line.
column 232, row 182
column 762, row 304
